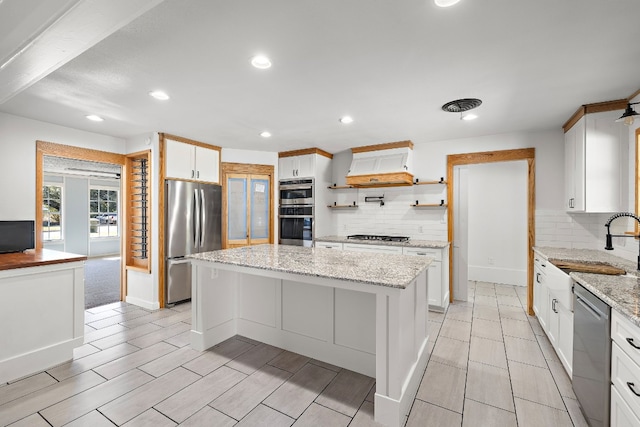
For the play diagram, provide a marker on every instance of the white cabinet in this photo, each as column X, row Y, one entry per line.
column 380, row 249
column 540, row 292
column 329, row 245
column 192, row 162
column 594, row 151
column 625, row 371
column 303, row 166
column 438, row 275
column 553, row 308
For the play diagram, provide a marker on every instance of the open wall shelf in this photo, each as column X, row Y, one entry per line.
column 342, row 206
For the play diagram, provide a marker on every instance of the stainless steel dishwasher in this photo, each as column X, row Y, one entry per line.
column 592, row 356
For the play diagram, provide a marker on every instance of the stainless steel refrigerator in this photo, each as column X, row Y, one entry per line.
column 193, row 224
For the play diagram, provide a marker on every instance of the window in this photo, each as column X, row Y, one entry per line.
column 103, row 212
column 51, row 212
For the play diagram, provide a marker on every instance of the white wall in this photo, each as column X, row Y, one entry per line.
column 497, row 222
column 18, row 137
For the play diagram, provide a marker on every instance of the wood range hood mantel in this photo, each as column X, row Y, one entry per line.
column 382, row 165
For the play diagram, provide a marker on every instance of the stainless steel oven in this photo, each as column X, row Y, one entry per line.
column 296, row 230
column 296, row 192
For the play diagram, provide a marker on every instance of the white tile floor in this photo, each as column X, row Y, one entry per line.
column 490, row 365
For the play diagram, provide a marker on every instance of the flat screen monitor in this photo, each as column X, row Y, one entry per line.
column 16, row 236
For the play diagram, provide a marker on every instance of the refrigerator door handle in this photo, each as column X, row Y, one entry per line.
column 196, row 219
column 203, row 218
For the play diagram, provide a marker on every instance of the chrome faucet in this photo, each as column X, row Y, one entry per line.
column 609, row 245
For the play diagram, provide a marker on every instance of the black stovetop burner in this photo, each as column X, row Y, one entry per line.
column 381, row 238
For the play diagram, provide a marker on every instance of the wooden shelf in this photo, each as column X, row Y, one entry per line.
column 341, row 187
column 342, row 206
column 429, row 205
column 442, row 181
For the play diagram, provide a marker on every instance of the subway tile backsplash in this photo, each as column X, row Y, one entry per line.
column 584, row 231
column 554, row 228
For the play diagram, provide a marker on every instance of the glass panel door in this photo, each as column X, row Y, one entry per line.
column 259, row 214
column 237, row 229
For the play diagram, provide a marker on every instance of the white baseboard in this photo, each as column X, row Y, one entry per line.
column 505, row 276
column 149, row 305
column 38, row 360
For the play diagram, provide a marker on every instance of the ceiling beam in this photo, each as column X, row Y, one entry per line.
column 79, row 28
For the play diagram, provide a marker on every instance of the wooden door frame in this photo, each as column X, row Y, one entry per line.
column 44, row 148
column 247, row 169
column 528, row 154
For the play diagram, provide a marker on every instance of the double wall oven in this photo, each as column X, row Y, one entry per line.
column 296, row 212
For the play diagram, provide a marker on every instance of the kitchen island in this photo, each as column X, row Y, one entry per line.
column 42, row 316
column 363, row 312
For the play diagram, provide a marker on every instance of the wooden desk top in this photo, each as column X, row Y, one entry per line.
column 35, row 258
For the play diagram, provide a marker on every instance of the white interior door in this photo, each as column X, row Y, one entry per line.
column 461, row 233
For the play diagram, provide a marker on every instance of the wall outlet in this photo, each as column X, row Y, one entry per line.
column 490, row 261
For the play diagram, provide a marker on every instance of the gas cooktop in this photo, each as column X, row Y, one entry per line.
column 381, row 238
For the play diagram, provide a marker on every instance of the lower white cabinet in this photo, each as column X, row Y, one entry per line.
column 372, row 248
column 621, row 414
column 625, row 371
column 329, row 245
column 438, row 270
column 554, row 313
column 438, row 275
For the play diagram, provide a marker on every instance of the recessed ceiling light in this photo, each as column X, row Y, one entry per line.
column 346, row 120
column 261, row 61
column 445, row 3
column 158, row 94
column 95, row 118
column 265, row 134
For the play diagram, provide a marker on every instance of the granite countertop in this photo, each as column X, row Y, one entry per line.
column 396, row 271
column 437, row 244
column 622, row 293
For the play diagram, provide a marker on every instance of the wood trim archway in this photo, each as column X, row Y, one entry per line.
column 44, row 148
column 527, row 154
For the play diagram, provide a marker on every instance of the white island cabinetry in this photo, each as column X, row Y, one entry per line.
column 363, row 312
column 42, row 316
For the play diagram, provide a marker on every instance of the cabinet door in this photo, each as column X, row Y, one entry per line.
column 574, row 159
column 286, row 167
column 565, row 337
column 541, row 300
column 372, row 248
column 603, row 157
column 179, row 160
column 553, row 325
column 207, row 165
column 306, row 165
column 329, row 245
column 621, row 413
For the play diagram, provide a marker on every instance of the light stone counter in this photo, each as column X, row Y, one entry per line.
column 622, row 293
column 437, row 244
column 396, row 271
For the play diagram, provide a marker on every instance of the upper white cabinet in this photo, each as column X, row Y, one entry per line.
column 593, row 157
column 303, row 166
column 192, row 162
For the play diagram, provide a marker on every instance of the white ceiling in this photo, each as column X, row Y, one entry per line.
column 390, row 64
